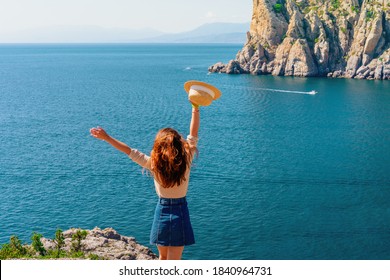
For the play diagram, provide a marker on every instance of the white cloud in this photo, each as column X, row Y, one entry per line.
column 210, row 14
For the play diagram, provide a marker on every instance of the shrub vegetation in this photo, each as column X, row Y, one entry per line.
column 16, row 250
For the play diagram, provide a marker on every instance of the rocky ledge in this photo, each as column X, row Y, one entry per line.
column 105, row 243
column 338, row 38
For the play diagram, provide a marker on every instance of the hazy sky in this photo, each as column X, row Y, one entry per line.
column 163, row 15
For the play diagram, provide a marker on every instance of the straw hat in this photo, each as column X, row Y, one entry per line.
column 201, row 93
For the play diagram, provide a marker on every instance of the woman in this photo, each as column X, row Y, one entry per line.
column 170, row 164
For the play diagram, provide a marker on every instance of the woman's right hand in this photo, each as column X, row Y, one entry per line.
column 99, row 133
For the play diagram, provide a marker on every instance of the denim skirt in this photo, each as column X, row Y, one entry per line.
column 171, row 224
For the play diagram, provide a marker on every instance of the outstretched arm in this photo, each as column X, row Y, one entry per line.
column 195, row 121
column 101, row 134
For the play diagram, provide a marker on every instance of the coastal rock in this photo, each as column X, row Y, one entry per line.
column 243, row 57
column 337, row 74
column 378, row 73
column 386, row 72
column 107, row 244
column 316, row 38
column 234, row 67
column 267, row 26
column 282, row 54
column 300, row 62
column 218, row 67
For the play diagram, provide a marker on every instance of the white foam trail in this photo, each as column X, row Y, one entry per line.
column 312, row 92
column 192, row 69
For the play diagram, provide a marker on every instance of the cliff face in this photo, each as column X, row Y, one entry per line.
column 107, row 244
column 335, row 38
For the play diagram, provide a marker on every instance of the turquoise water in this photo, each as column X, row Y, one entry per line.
column 280, row 174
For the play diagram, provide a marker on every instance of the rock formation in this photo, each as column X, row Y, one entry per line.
column 334, row 38
column 107, row 244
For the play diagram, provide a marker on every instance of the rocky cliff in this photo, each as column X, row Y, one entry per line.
column 106, row 244
column 334, row 38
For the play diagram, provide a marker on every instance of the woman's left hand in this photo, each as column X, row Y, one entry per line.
column 99, row 133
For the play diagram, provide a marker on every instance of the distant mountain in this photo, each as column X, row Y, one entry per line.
column 207, row 33
column 231, row 38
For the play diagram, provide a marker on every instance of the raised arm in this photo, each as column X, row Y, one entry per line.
column 101, row 134
column 195, row 121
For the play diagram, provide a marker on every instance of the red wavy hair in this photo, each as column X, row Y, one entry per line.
column 170, row 158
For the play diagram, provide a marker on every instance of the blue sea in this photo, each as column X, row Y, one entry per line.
column 281, row 174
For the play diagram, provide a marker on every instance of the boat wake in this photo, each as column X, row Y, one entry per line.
column 312, row 92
